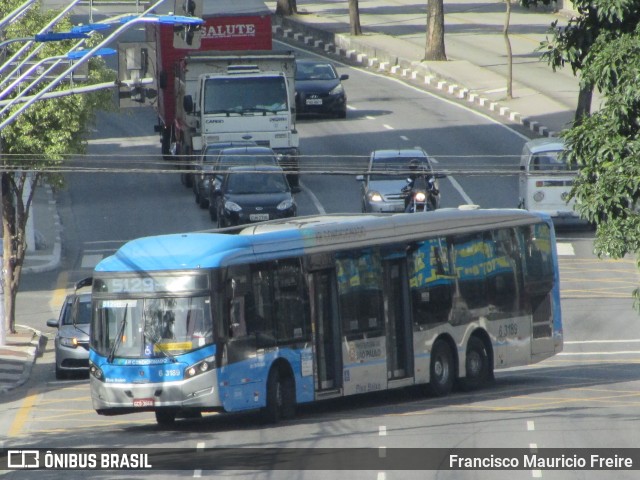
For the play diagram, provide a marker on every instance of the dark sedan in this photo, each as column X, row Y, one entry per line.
column 319, row 89
column 254, row 194
column 204, row 166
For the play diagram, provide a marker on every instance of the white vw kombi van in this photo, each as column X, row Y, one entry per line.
column 546, row 179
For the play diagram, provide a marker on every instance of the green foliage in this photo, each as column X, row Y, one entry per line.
column 607, row 146
column 51, row 130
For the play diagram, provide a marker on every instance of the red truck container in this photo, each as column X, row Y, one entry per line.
column 228, row 25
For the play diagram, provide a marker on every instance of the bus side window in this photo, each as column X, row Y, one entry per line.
column 430, row 282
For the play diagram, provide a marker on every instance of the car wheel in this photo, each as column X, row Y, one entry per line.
column 220, row 216
column 203, row 202
column 213, row 212
column 60, row 374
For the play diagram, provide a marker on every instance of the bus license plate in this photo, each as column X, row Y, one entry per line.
column 314, row 101
column 143, row 402
column 258, row 217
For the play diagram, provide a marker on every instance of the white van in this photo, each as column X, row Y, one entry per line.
column 546, row 179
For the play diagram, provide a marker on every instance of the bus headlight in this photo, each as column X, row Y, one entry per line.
column 95, row 372
column 201, row 367
column 538, row 196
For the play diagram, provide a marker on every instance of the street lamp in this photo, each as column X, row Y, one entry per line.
column 73, row 55
column 27, row 45
column 127, row 22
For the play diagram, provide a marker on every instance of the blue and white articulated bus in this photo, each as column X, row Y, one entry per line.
column 310, row 308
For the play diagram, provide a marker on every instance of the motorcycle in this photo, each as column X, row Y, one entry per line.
column 421, row 195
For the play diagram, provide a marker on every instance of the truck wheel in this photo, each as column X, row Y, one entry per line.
column 165, row 143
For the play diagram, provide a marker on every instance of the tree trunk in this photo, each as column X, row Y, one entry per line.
column 15, row 212
column 434, row 48
column 354, row 18
column 507, row 42
column 585, row 96
column 286, row 7
column 8, row 231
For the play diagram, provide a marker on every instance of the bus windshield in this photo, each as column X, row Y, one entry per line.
column 153, row 327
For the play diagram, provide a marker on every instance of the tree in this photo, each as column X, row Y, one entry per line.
column 507, row 41
column 354, row 18
column 434, row 48
column 571, row 43
column 607, row 144
column 42, row 137
column 286, row 7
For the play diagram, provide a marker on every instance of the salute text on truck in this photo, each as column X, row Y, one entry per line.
column 222, row 82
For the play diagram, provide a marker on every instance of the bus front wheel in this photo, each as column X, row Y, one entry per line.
column 165, row 417
column 476, row 365
column 441, row 370
column 280, row 397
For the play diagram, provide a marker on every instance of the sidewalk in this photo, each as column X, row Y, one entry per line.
column 18, row 356
column 393, row 41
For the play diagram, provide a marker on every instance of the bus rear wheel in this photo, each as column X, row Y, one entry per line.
column 441, row 369
column 476, row 365
column 280, row 398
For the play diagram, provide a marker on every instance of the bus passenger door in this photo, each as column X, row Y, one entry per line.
column 326, row 325
column 397, row 321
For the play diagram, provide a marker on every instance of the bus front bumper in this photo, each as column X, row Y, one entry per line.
column 200, row 392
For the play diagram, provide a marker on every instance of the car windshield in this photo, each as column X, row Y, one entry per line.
column 244, row 183
column 551, row 161
column 392, row 168
column 227, row 161
column 316, row 71
column 83, row 314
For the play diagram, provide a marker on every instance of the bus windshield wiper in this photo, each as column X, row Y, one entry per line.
column 118, row 339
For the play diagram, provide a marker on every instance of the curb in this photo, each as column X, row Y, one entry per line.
column 347, row 47
column 56, row 256
column 34, row 350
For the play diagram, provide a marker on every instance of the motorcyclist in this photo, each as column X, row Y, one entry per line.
column 419, row 179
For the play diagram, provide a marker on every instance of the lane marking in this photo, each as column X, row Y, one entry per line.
column 59, row 291
column 402, row 137
column 90, row 261
column 388, row 127
column 382, row 431
column 564, row 248
column 23, row 413
column 531, row 426
column 579, row 342
column 314, row 199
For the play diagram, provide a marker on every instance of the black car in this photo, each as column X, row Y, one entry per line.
column 254, row 194
column 234, row 157
column 204, row 166
column 319, row 89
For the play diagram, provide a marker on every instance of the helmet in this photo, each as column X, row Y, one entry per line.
column 414, row 164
